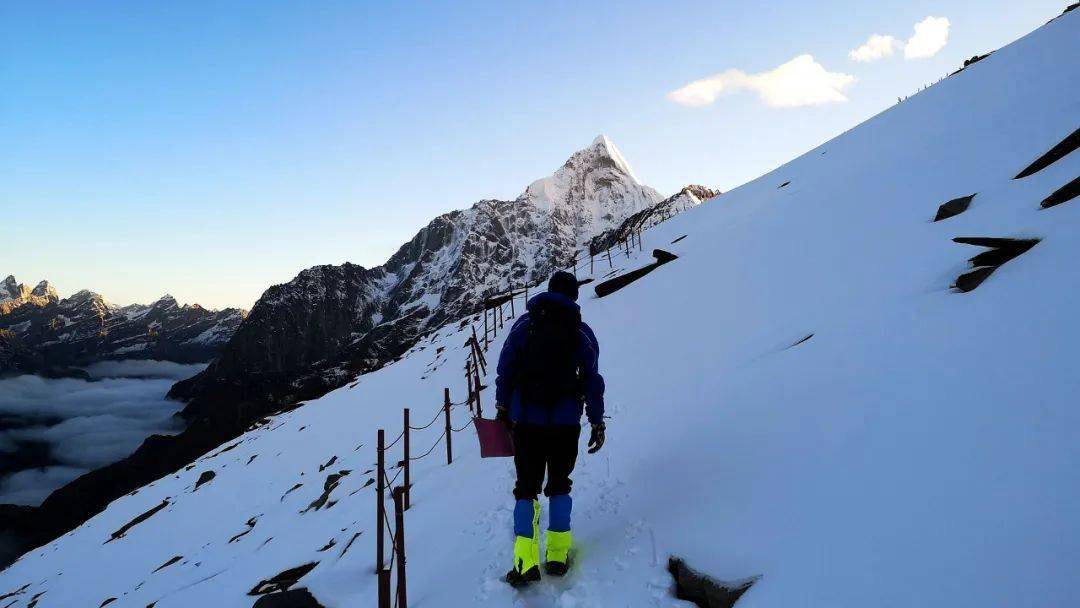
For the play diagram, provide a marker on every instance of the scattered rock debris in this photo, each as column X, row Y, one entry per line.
column 1062, row 149
column 138, row 520
column 953, row 208
column 323, row 467
column 18, row 591
column 1063, row 194
column 171, row 561
column 297, row 598
column 1000, row 250
column 250, row 526
column 332, row 481
column 290, row 490
column 205, row 478
column 349, row 544
column 704, row 591
column 283, row 580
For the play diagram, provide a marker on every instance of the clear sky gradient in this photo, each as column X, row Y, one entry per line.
column 209, row 150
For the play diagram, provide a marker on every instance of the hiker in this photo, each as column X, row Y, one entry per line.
column 547, row 369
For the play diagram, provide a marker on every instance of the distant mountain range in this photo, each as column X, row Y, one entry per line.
column 42, row 333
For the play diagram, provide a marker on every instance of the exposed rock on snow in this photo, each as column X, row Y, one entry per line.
column 1001, row 250
column 283, row 580
column 1063, row 194
column 703, row 590
column 953, row 208
column 295, row 598
column 1059, row 151
column 612, row 285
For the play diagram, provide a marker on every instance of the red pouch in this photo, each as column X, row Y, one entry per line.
column 496, row 440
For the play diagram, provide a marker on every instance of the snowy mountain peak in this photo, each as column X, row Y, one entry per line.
column 14, row 293
column 45, row 289
column 606, row 147
column 10, row 289
column 593, row 191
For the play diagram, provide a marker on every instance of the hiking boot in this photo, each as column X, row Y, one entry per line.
column 517, row 579
column 557, row 556
column 526, row 548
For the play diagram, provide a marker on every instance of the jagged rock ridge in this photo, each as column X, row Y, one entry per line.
column 39, row 331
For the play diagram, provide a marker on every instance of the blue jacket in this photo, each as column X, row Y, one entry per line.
column 567, row 410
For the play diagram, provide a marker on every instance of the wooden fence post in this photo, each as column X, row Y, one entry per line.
column 405, row 461
column 380, row 512
column 399, row 541
column 609, row 258
column 468, row 377
column 485, row 325
column 591, row 256
column 476, row 384
column 384, row 588
column 449, row 432
column 511, row 294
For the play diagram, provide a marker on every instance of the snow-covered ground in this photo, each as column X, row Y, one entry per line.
column 920, row 449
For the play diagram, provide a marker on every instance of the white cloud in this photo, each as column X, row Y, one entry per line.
column 84, row 425
column 931, row 35
column 876, row 47
column 799, row 82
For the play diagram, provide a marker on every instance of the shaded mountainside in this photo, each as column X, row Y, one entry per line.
column 42, row 333
column 318, row 331
column 330, row 323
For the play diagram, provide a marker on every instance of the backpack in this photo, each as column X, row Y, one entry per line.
column 549, row 369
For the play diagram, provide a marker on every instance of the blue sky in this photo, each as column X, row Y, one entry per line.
column 209, row 150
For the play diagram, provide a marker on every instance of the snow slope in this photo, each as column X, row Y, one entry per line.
column 920, row 449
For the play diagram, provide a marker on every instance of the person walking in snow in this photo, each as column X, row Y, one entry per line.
column 547, row 374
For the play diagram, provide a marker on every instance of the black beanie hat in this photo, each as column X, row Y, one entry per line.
column 565, row 283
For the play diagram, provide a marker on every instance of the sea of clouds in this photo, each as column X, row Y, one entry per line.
column 86, row 424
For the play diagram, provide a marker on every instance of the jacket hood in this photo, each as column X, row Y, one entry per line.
column 552, row 298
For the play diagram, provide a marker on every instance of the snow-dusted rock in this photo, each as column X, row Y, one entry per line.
column 49, row 332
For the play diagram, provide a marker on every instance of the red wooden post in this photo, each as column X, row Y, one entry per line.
column 449, row 433
column 380, row 509
column 405, row 461
column 399, row 541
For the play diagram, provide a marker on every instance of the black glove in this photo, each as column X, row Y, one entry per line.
column 596, row 440
column 503, row 415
